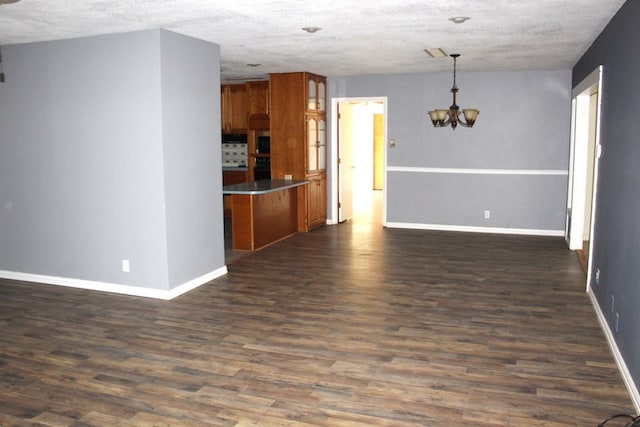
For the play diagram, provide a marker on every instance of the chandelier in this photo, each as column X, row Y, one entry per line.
column 441, row 117
column 1, row 72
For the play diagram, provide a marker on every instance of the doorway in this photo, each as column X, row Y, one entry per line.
column 583, row 167
column 359, row 132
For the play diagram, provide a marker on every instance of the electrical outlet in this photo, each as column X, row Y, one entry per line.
column 597, row 276
column 125, row 265
column 288, row 177
column 487, row 214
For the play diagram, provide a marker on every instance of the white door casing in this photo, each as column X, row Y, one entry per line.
column 583, row 173
column 345, row 161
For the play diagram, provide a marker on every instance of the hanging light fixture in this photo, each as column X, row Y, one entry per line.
column 442, row 118
column 1, row 72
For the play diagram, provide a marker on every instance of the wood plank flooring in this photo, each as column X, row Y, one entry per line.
column 349, row 325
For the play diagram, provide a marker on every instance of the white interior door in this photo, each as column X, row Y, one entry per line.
column 345, row 161
column 585, row 146
column 579, row 177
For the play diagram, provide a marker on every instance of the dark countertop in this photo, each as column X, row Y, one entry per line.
column 262, row 186
column 234, row 168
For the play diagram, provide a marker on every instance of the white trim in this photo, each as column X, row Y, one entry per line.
column 596, row 168
column 578, row 155
column 116, row 288
column 474, row 229
column 622, row 366
column 194, row 283
column 595, row 77
column 561, row 172
column 332, row 177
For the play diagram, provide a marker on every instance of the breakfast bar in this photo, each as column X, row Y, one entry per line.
column 266, row 211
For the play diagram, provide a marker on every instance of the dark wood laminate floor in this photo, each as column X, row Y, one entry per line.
column 350, row 325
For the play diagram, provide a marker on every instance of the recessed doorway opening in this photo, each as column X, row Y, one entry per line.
column 583, row 167
column 359, row 160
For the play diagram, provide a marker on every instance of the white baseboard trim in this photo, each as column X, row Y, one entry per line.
column 469, row 171
column 194, row 283
column 474, row 229
column 632, row 388
column 116, row 288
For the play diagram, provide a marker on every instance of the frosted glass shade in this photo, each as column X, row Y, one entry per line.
column 442, row 114
column 470, row 115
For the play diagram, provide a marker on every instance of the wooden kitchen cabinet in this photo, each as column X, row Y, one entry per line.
column 245, row 106
column 234, row 102
column 230, row 177
column 298, row 136
column 258, row 104
column 317, row 200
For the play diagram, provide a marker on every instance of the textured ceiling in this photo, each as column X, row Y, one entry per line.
column 357, row 37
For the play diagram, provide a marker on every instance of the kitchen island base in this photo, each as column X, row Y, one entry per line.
column 265, row 212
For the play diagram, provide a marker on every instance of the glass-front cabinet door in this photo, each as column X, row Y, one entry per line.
column 312, row 144
column 312, row 94
column 321, row 96
column 322, row 144
column 316, row 93
column 316, row 144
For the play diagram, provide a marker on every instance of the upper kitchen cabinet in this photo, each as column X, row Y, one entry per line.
column 316, row 92
column 234, row 101
column 258, row 95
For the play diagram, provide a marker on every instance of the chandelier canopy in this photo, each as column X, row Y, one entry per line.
column 451, row 116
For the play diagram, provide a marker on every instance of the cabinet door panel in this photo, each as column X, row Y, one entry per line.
column 235, row 105
column 312, row 144
column 258, row 97
column 239, row 107
column 321, row 96
column 312, row 96
column 322, row 145
column 317, row 201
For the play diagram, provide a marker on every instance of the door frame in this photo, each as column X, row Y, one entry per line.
column 334, row 174
column 577, row 185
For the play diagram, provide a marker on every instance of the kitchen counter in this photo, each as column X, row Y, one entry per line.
column 262, row 186
column 266, row 211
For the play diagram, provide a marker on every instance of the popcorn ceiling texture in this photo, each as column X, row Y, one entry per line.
column 376, row 37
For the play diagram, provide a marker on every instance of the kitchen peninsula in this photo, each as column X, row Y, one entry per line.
column 266, row 211
column 274, row 137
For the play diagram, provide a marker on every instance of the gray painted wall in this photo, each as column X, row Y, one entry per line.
column 192, row 159
column 616, row 238
column 86, row 180
column 523, row 125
